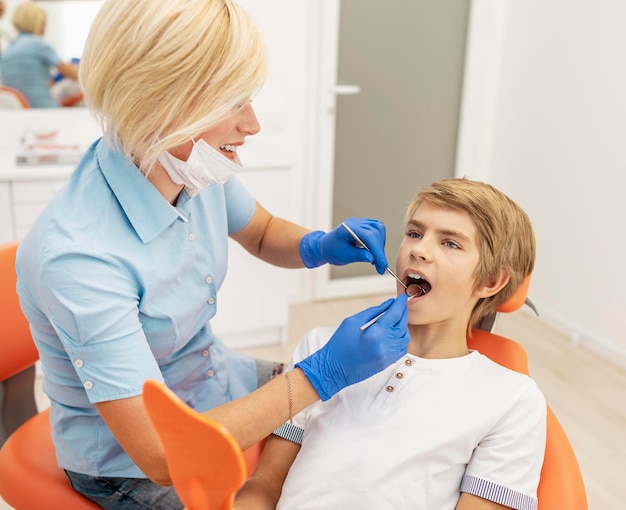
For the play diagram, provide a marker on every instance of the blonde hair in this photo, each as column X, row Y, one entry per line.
column 30, row 18
column 505, row 234
column 156, row 73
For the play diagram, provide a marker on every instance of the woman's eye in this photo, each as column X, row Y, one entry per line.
column 241, row 105
column 413, row 234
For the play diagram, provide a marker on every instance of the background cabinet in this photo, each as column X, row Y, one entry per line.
column 22, row 202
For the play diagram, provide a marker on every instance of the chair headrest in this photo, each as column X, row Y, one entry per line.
column 516, row 301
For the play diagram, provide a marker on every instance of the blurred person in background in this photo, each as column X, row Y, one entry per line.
column 27, row 62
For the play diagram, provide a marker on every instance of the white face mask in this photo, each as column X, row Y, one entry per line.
column 203, row 167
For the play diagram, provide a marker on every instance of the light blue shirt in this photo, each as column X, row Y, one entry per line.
column 26, row 65
column 118, row 286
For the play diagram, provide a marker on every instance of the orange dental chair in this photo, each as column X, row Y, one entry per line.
column 561, row 485
column 12, row 99
column 30, row 478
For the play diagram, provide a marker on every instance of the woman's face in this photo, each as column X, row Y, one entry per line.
column 227, row 135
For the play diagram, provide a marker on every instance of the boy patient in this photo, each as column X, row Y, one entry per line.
column 444, row 427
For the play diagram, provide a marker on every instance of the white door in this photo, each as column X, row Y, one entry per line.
column 390, row 90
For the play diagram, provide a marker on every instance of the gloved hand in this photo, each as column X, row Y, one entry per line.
column 351, row 356
column 338, row 247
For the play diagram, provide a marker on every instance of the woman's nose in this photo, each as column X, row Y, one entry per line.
column 249, row 123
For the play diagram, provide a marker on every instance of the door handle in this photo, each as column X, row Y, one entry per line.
column 345, row 90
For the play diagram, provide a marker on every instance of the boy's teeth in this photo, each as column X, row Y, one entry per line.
column 415, row 276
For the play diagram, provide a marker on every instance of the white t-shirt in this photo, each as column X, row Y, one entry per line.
column 417, row 434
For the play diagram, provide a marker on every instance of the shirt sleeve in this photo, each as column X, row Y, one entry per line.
column 240, row 205
column 92, row 302
column 505, row 467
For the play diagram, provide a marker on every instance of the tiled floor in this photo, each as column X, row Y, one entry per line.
column 585, row 391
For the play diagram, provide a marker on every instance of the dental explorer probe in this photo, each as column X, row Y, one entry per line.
column 363, row 245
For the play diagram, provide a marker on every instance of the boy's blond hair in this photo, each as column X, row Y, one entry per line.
column 505, row 234
column 158, row 72
column 30, row 18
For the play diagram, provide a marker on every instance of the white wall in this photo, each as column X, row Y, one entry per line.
column 544, row 120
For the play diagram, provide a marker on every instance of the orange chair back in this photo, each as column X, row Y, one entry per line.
column 29, row 474
column 15, row 331
column 12, row 99
column 205, row 462
column 516, row 301
column 561, row 483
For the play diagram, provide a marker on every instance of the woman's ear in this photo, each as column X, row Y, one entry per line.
column 494, row 286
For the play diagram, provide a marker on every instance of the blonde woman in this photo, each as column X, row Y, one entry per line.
column 28, row 60
column 119, row 276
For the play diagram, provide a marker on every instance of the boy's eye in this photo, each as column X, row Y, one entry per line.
column 451, row 244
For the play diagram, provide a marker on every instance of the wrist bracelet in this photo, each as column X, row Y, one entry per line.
column 289, row 397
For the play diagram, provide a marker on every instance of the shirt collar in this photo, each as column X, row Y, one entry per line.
column 146, row 209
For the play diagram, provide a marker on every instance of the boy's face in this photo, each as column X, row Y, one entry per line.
column 441, row 246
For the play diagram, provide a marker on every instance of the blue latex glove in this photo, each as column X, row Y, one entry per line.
column 338, row 247
column 351, row 356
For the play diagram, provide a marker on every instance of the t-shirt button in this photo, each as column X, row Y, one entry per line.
column 205, row 353
column 408, row 362
column 399, row 375
column 389, row 388
column 191, row 237
column 210, row 373
column 209, row 279
column 211, row 301
column 88, row 385
column 78, row 363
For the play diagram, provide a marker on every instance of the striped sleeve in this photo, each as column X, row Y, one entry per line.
column 498, row 494
column 290, row 433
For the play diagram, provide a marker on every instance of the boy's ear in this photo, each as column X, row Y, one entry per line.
column 494, row 286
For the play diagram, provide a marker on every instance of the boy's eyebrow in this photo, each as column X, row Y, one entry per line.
column 446, row 232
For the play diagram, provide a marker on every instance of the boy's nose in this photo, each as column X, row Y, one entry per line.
column 421, row 251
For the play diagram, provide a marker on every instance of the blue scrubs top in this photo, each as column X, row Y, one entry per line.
column 26, row 66
column 118, row 286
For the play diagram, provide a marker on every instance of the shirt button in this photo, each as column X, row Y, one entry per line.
column 389, row 388
column 205, row 353
column 211, row 373
column 209, row 279
column 191, row 237
column 408, row 362
column 78, row 363
column 211, row 300
column 88, row 385
column 399, row 375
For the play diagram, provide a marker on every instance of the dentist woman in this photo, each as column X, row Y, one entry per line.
column 119, row 275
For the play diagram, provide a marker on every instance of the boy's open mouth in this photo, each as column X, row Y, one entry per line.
column 416, row 285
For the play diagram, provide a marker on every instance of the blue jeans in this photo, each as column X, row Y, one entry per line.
column 125, row 493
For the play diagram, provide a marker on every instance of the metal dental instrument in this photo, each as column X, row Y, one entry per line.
column 363, row 245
